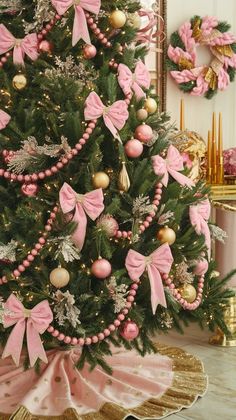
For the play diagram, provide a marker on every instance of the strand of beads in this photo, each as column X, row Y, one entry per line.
column 54, row 168
column 34, row 251
column 97, row 32
column 177, row 295
column 146, row 223
column 107, row 331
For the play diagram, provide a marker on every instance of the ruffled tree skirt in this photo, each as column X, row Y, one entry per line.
column 154, row 386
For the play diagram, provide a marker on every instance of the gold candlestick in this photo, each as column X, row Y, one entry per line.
column 182, row 116
column 220, row 152
column 209, row 158
column 214, row 150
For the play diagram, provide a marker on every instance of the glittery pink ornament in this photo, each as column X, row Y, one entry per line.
column 201, row 267
column 30, row 189
column 108, row 224
column 8, row 156
column 129, row 330
column 101, row 268
column 89, row 51
column 45, row 46
column 144, row 133
column 133, row 148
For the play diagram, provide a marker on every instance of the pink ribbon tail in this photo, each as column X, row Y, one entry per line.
column 15, row 342
column 180, row 178
column 80, row 27
column 111, row 127
column 80, row 233
column 157, row 289
column 34, row 344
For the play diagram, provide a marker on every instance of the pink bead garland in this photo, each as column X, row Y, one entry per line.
column 54, row 168
column 183, row 302
column 87, row 341
column 34, row 251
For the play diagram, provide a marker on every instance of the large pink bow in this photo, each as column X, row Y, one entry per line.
column 80, row 27
column 114, row 116
column 35, row 321
column 90, row 204
column 28, row 45
column 199, row 216
column 129, row 81
column 4, row 119
column 160, row 261
column 171, row 165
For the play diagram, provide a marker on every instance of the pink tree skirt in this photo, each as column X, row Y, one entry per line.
column 154, row 386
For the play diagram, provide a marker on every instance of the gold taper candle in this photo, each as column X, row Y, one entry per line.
column 220, row 151
column 209, row 158
column 182, row 115
column 214, row 150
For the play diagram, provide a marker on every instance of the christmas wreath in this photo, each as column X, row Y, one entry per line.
column 182, row 56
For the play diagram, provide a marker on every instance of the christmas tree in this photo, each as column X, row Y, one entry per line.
column 104, row 237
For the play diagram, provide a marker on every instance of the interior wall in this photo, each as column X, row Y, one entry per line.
column 199, row 110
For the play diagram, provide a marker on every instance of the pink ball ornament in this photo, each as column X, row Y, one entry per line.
column 30, row 190
column 45, row 46
column 129, row 330
column 101, row 268
column 89, row 51
column 201, row 267
column 108, row 224
column 144, row 133
column 133, row 148
column 9, row 156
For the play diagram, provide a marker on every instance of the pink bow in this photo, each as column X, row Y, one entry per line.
column 114, row 116
column 199, row 216
column 4, row 119
column 129, row 81
column 35, row 321
column 27, row 45
column 80, row 27
column 160, row 261
column 90, row 204
column 171, row 165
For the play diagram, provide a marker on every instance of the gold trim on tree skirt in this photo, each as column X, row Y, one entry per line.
column 190, row 382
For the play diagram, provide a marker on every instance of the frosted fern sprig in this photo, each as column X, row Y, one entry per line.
column 65, row 309
column 182, row 275
column 8, row 251
column 44, row 12
column 164, row 218
column 118, row 293
column 65, row 249
column 142, row 206
column 218, row 234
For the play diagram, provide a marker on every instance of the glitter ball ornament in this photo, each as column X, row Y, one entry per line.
column 166, row 235
column 89, row 52
column 142, row 114
column 45, row 46
column 101, row 180
column 30, row 190
column 108, row 224
column 150, row 105
column 8, row 156
column 133, row 148
column 188, row 292
column 59, row 277
column 144, row 133
column 101, row 268
column 129, row 330
column 19, row 82
column 117, row 19
column 201, row 267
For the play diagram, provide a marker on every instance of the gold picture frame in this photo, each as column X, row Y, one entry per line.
column 161, row 73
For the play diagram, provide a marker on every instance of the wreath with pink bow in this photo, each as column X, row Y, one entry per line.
column 202, row 80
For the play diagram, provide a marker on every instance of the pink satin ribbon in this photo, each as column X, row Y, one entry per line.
column 160, row 261
column 4, row 119
column 129, row 81
column 199, row 216
column 80, row 27
column 171, row 165
column 148, row 34
column 27, row 45
column 90, row 204
column 35, row 321
column 114, row 116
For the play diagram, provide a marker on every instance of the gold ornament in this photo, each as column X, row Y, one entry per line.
column 142, row 114
column 124, row 181
column 134, row 20
column 19, row 81
column 194, row 146
column 5, row 99
column 188, row 292
column 59, row 277
column 118, row 19
column 166, row 235
column 101, row 180
column 150, row 105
